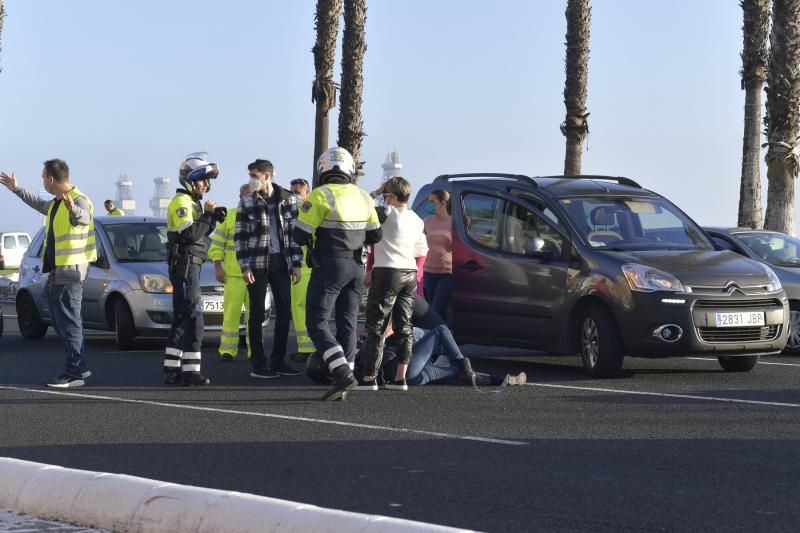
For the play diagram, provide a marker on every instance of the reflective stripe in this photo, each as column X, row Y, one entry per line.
column 349, row 226
column 174, row 351
column 303, row 226
column 76, row 251
column 172, row 363
column 331, row 351
column 337, row 363
column 223, row 235
column 191, row 355
column 334, row 211
column 190, row 368
column 229, row 345
column 77, row 236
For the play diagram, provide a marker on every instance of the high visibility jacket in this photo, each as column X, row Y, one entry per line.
column 223, row 247
column 116, row 212
column 74, row 245
column 341, row 216
column 188, row 226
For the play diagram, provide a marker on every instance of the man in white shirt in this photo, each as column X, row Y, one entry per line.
column 394, row 284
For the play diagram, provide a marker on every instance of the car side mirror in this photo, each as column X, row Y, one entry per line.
column 101, row 262
column 534, row 247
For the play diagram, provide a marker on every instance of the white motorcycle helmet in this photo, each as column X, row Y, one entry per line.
column 195, row 167
column 336, row 162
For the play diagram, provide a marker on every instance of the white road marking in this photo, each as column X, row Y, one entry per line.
column 760, row 362
column 275, row 416
column 664, row 395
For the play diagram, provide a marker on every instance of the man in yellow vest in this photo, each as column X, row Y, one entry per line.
column 228, row 271
column 305, row 346
column 112, row 210
column 188, row 226
column 69, row 247
column 337, row 220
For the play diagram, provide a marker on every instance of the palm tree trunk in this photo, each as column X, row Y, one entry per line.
column 323, row 91
column 782, row 117
column 575, row 126
column 755, row 30
column 354, row 46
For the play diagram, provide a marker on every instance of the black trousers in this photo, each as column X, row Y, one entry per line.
column 186, row 333
column 277, row 276
column 335, row 286
column 390, row 293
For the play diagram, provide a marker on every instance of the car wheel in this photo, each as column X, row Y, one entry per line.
column 1, row 323
column 601, row 345
column 123, row 324
column 793, row 342
column 28, row 318
column 738, row 364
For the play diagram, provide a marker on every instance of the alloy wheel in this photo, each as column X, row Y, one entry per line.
column 590, row 341
column 793, row 341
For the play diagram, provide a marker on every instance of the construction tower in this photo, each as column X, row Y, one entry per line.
column 124, row 199
column 161, row 197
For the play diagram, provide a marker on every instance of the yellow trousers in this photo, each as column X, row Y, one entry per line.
column 304, row 344
column 235, row 297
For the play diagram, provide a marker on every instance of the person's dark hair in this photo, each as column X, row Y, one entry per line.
column 443, row 196
column 57, row 169
column 399, row 187
column 262, row 165
column 108, row 202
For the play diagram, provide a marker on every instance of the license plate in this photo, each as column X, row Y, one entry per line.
column 213, row 306
column 740, row 320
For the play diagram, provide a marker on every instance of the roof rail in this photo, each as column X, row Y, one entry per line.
column 619, row 179
column 516, row 177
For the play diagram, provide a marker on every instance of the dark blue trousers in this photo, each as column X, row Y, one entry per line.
column 186, row 334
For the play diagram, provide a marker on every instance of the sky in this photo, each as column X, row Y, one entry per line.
column 454, row 85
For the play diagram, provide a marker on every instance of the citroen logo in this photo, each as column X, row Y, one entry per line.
column 732, row 288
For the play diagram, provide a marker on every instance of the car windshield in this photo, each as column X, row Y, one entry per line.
column 634, row 223
column 774, row 248
column 143, row 242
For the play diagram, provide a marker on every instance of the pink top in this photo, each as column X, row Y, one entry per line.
column 440, row 245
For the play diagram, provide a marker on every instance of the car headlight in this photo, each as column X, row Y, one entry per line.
column 774, row 282
column 155, row 283
column 643, row 278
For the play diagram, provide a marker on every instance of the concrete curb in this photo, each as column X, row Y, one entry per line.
column 132, row 504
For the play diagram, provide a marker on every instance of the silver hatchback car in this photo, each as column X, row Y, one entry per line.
column 127, row 290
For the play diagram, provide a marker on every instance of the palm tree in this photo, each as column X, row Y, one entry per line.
column 323, row 91
column 754, row 73
column 782, row 117
column 575, row 126
column 354, row 45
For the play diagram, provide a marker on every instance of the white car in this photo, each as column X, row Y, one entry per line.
column 12, row 247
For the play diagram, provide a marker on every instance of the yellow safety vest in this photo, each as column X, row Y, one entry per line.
column 74, row 245
column 340, row 214
column 116, row 212
column 223, row 247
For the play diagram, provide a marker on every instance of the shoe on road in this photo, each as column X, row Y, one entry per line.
column 509, row 379
column 172, row 377
column 285, row 370
column 226, row 358
column 65, row 382
column 86, row 374
column 340, row 388
column 367, row 385
column 399, row 384
column 194, row 379
column 263, row 374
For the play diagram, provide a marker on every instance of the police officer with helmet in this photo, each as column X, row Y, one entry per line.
column 188, row 226
column 336, row 221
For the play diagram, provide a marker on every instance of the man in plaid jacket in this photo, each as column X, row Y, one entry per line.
column 267, row 254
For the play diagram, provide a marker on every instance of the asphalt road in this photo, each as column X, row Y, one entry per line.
column 674, row 445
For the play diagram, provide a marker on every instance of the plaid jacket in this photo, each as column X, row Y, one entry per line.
column 251, row 232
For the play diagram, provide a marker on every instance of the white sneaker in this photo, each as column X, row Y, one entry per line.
column 87, row 374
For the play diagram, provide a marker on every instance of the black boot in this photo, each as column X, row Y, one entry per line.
column 172, row 377
column 465, row 372
column 194, row 379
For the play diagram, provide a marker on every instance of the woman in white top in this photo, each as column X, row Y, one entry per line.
column 393, row 284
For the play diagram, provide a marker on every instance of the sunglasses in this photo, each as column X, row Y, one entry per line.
column 299, row 181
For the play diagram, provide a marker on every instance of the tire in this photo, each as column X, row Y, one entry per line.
column 601, row 345
column 743, row 363
column 1, row 323
column 28, row 318
column 124, row 329
column 793, row 342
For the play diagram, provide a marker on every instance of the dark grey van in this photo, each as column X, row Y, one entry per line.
column 601, row 266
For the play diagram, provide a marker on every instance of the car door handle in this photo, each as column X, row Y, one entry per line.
column 471, row 266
